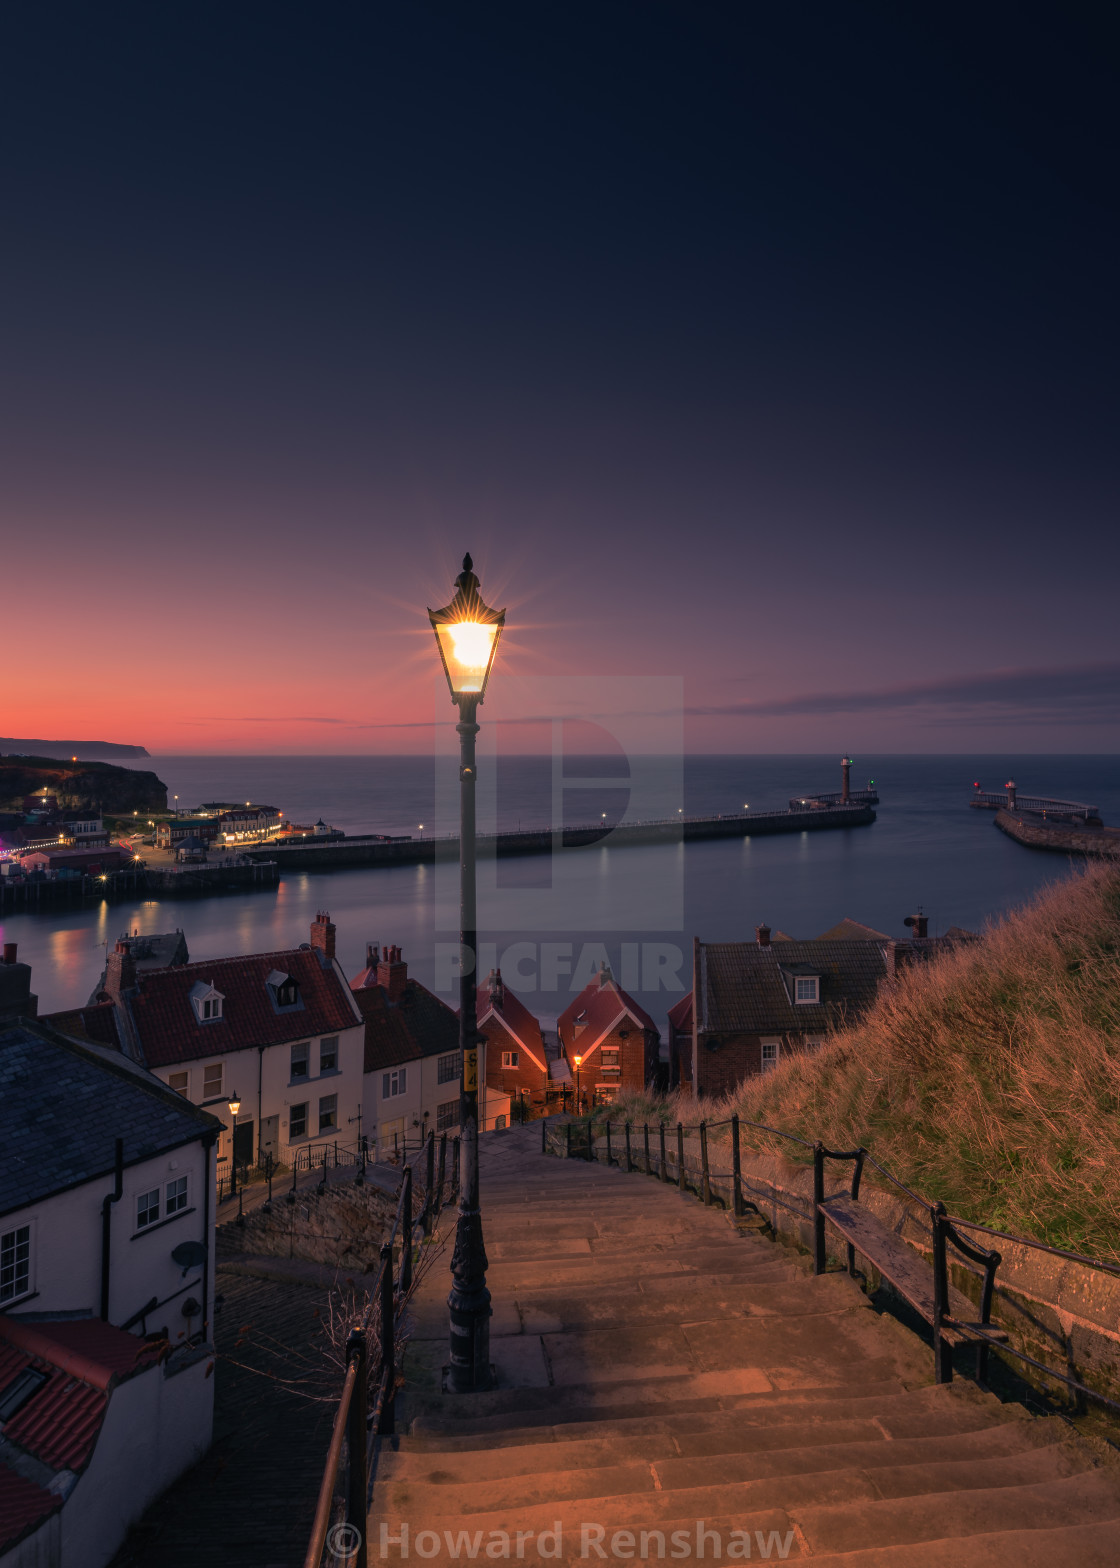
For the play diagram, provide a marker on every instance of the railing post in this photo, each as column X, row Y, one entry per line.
column 442, row 1169
column 681, row 1187
column 406, row 1233
column 567, row 1140
column 645, row 1139
column 736, row 1171
column 819, row 1258
column 388, row 1341
column 609, row 1159
column 356, row 1511
column 663, row 1171
column 629, row 1156
column 705, row 1174
column 430, row 1195
column 942, row 1350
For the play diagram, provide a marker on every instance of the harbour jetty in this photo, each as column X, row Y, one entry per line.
column 137, row 880
column 1071, row 827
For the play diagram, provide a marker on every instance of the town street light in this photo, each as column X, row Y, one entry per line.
column 234, row 1107
column 577, row 1060
column 467, row 633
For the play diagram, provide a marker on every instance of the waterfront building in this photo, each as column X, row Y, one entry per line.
column 281, row 1030
column 617, row 1041
column 79, row 861
column 176, row 830
column 106, row 1294
column 413, row 1063
column 513, row 1059
column 243, row 823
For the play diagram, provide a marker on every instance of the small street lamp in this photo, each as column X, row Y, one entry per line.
column 467, row 632
column 577, row 1060
column 234, row 1107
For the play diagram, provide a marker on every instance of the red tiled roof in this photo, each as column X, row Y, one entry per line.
column 512, row 1012
column 602, row 1004
column 169, row 1031
column 97, row 1022
column 680, row 1014
column 23, row 1506
column 396, row 1032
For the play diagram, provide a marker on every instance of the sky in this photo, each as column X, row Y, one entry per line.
column 766, row 351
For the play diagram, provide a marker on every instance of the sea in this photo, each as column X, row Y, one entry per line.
column 549, row 921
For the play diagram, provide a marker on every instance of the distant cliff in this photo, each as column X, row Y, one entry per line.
column 80, row 785
column 69, row 748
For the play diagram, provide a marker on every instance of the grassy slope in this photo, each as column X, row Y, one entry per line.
column 989, row 1078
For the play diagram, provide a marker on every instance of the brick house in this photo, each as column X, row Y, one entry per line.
column 174, row 831
column 281, row 1030
column 754, row 1003
column 515, row 1057
column 616, row 1040
column 413, row 1064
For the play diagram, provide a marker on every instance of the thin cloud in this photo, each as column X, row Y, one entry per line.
column 1079, row 694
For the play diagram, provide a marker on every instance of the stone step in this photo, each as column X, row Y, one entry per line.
column 420, row 1428
column 1089, row 1497
column 724, row 1438
column 587, row 1273
column 1069, row 1546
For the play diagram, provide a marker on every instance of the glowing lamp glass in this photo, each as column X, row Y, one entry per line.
column 234, row 1105
column 467, row 632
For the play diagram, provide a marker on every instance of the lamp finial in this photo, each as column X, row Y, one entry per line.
column 468, row 564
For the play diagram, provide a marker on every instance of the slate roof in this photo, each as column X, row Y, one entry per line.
column 168, row 1030
column 747, row 989
column 397, row 1032
column 66, row 1101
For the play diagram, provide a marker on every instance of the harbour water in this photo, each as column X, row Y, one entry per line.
column 549, row 920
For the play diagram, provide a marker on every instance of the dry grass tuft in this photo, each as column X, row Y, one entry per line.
column 989, row 1078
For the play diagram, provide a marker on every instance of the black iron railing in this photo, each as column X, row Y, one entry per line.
column 365, row 1405
column 577, row 1141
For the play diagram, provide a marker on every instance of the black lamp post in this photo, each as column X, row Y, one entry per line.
column 234, row 1107
column 467, row 633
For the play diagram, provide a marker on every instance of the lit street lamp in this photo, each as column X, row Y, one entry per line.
column 467, row 633
column 234, row 1107
column 577, row 1060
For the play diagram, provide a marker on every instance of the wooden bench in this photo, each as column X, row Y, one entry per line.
column 953, row 1318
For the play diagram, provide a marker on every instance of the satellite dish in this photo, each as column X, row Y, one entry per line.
column 189, row 1255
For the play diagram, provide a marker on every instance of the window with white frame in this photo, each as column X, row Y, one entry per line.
column 447, row 1115
column 770, row 1052
column 301, row 1057
column 147, row 1209
column 807, row 988
column 297, row 1122
column 510, row 1058
column 207, row 1002
column 175, row 1196
column 180, row 1082
column 328, row 1112
column 15, row 1263
column 447, row 1067
column 328, row 1054
column 212, row 1081
column 394, row 1083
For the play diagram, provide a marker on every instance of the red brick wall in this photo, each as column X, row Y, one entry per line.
column 511, row 1080
column 739, row 1056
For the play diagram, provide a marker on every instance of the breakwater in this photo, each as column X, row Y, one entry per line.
column 1040, row 832
column 35, row 893
column 357, row 851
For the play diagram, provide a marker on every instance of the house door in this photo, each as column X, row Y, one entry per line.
column 243, row 1143
column 270, row 1137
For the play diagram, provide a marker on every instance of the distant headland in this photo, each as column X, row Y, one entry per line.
column 69, row 749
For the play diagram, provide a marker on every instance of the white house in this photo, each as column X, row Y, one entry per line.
column 106, row 1295
column 281, row 1031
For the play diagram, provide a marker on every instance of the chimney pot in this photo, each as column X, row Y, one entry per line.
column 10, row 952
column 762, row 935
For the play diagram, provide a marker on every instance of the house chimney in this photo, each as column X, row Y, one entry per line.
column 918, row 923
column 17, row 1000
column 762, row 935
column 10, row 952
column 373, row 955
column 496, row 988
column 120, row 971
column 606, row 978
column 392, row 974
column 322, row 936
column 846, row 778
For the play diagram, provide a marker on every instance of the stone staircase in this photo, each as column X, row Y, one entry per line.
column 656, row 1368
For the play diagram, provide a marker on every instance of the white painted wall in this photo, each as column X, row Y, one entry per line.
column 425, row 1094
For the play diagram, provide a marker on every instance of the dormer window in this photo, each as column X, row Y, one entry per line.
column 284, row 989
column 807, row 988
column 207, row 1002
